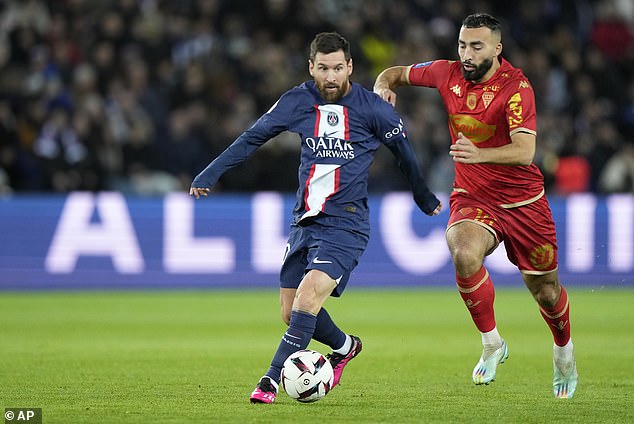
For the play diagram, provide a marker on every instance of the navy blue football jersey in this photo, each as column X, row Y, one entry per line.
column 338, row 143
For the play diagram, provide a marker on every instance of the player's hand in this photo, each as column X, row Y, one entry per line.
column 198, row 191
column 464, row 151
column 436, row 211
column 387, row 95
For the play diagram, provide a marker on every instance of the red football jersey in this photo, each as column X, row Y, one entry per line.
column 488, row 114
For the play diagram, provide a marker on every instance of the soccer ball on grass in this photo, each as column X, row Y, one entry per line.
column 307, row 376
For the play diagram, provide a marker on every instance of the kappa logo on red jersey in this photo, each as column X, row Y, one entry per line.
column 456, row 90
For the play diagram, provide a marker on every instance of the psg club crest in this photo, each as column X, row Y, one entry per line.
column 333, row 119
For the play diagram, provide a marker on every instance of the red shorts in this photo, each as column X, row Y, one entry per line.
column 528, row 231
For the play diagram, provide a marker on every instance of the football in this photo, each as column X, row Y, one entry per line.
column 307, row 376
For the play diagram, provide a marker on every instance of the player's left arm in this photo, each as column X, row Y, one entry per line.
column 389, row 129
column 520, row 151
column 423, row 197
column 393, row 135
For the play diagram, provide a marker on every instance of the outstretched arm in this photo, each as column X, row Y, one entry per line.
column 268, row 126
column 233, row 156
column 239, row 151
column 389, row 79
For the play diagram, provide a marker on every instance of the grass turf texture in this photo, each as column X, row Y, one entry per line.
column 127, row 357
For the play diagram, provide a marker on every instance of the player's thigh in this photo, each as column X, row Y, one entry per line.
column 530, row 241
column 337, row 252
column 328, row 245
column 295, row 257
column 473, row 229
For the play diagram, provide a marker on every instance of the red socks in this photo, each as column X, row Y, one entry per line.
column 558, row 318
column 478, row 294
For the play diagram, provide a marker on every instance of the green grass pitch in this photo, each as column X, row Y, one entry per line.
column 194, row 356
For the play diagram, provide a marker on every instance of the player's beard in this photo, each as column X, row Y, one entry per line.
column 333, row 96
column 479, row 71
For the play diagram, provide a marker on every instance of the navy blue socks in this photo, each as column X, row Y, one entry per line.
column 297, row 337
column 327, row 332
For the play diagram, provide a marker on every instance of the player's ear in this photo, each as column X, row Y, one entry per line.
column 311, row 66
column 350, row 67
column 498, row 49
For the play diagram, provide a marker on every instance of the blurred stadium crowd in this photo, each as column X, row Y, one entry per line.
column 139, row 95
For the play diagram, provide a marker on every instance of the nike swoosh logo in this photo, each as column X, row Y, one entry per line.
column 319, row 261
column 329, row 134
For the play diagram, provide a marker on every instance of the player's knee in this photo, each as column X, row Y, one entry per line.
column 545, row 289
column 467, row 261
column 547, row 295
column 313, row 291
column 305, row 299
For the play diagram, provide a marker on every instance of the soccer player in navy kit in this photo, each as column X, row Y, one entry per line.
column 341, row 125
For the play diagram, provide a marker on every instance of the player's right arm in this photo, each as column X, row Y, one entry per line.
column 233, row 156
column 388, row 80
column 268, row 126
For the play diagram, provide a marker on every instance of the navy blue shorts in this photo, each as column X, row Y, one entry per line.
column 327, row 244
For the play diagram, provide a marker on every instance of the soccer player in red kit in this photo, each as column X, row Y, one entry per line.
column 498, row 192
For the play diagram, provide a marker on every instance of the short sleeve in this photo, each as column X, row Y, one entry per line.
column 520, row 108
column 428, row 74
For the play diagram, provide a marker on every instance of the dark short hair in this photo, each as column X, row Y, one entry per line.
column 479, row 20
column 329, row 42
